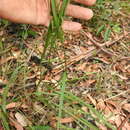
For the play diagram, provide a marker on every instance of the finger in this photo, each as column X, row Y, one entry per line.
column 71, row 26
column 79, row 12
column 86, row 2
column 68, row 26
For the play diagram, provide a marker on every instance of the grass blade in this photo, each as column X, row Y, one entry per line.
column 62, row 84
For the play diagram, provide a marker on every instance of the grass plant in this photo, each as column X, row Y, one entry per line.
column 55, row 31
column 3, row 112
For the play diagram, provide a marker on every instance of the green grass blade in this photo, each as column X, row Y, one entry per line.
column 11, row 81
column 107, row 34
column 98, row 114
column 55, row 31
column 54, row 13
column 62, row 84
column 100, row 29
column 3, row 111
column 63, row 8
column 3, row 117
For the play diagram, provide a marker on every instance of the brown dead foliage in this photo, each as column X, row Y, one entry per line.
column 98, row 72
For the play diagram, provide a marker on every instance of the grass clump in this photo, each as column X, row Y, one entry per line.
column 55, row 31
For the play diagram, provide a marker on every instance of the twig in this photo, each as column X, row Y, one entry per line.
column 124, row 58
column 75, row 59
column 121, row 13
column 107, row 44
column 116, row 95
column 100, row 46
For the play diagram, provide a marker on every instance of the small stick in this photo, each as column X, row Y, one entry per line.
column 99, row 45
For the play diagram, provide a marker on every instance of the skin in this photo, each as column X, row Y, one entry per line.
column 37, row 12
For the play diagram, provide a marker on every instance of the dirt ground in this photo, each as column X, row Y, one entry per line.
column 83, row 84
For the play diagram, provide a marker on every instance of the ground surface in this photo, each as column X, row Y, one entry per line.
column 84, row 83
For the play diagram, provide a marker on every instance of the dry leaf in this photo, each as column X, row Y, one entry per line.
column 81, row 66
column 87, row 83
column 101, row 127
column 126, row 107
column 67, row 120
column 3, row 81
column 21, row 119
column 15, row 104
column 124, row 123
column 85, row 109
column 53, row 123
column 11, row 105
column 107, row 112
column 38, row 108
column 126, row 126
column 114, row 104
column 101, row 105
column 73, row 60
column 3, row 61
column 117, row 120
column 16, row 125
column 91, row 99
column 16, row 54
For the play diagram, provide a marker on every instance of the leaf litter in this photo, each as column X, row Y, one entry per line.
column 98, row 72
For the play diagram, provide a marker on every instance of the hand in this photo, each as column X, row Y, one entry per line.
column 37, row 12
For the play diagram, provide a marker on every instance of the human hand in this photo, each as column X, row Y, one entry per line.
column 37, row 12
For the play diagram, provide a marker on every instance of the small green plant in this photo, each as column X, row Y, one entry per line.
column 4, row 23
column 3, row 111
column 73, row 110
column 62, row 84
column 25, row 32
column 55, row 31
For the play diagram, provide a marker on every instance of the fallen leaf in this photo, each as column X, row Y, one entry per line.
column 21, row 119
column 81, row 66
column 117, row 120
column 87, row 83
column 53, row 124
column 16, row 104
column 107, row 111
column 73, row 60
column 101, row 127
column 11, row 105
column 67, row 120
column 3, row 81
column 3, row 61
column 16, row 124
column 38, row 108
column 126, row 107
column 16, row 54
column 100, row 105
column 85, row 109
column 124, row 125
column 114, row 104
column 92, row 99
